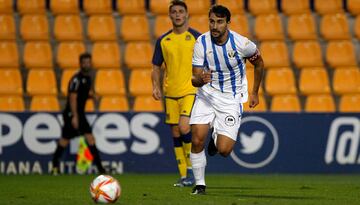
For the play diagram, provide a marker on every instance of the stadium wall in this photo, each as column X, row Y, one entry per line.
column 140, row 142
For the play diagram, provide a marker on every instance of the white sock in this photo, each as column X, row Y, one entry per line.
column 198, row 161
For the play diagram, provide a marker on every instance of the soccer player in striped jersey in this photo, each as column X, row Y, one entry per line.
column 174, row 50
column 219, row 72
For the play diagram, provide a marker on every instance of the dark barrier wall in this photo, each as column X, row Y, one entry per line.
column 140, row 142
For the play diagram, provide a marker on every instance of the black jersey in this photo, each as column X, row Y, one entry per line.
column 81, row 84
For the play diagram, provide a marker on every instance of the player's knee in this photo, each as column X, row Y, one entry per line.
column 224, row 151
column 90, row 140
column 184, row 129
column 63, row 142
column 197, row 142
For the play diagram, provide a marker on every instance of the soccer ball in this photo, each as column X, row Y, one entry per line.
column 105, row 189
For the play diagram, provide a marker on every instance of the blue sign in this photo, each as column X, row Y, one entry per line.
column 141, row 142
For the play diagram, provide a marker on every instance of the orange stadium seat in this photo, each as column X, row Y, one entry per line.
column 38, row 54
column 138, row 54
column 34, row 27
column 64, row 7
column 140, row 82
column 235, row 6
column 239, row 23
column 198, row 7
column 68, row 28
column 320, row 103
column 31, row 6
column 147, row 104
column 357, row 27
column 131, row 7
column 106, row 55
column 285, row 103
column 92, row 7
column 280, row 81
column 261, row 107
column 101, row 28
column 346, row 81
column 65, row 78
column 7, row 27
column 340, row 53
column 250, row 79
column 162, row 25
column 9, row 55
column 314, row 81
column 268, row 27
column 6, row 6
column 68, row 54
column 134, row 28
column 47, row 103
column 159, row 7
column 110, row 82
column 199, row 23
column 258, row 7
column 10, row 82
column 307, row 54
column 275, row 54
column 353, row 7
column 41, row 82
column 328, row 6
column 349, row 103
column 290, row 7
column 114, row 104
column 12, row 104
column 302, row 27
column 90, row 105
column 334, row 27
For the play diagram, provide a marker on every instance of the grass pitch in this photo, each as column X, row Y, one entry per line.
column 157, row 189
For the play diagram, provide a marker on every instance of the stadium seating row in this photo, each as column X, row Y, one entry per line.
column 136, row 27
column 157, row 7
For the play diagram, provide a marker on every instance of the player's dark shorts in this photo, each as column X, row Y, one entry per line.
column 68, row 130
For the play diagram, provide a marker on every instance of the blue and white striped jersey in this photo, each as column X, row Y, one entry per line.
column 227, row 62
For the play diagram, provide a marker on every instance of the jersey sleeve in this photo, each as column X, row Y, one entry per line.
column 158, row 58
column 198, row 55
column 74, row 85
column 248, row 48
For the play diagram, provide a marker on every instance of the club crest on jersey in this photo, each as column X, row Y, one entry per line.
column 231, row 54
column 187, row 38
column 230, row 120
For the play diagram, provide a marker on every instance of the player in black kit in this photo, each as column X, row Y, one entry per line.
column 75, row 123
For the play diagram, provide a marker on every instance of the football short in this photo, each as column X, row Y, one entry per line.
column 176, row 107
column 222, row 111
column 69, row 132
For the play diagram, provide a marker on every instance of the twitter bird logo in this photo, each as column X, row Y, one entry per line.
column 252, row 144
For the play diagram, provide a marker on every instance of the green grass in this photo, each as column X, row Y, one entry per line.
column 157, row 189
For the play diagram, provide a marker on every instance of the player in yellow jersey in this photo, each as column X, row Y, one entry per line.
column 174, row 49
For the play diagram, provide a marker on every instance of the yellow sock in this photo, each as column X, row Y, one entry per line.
column 180, row 158
column 187, row 150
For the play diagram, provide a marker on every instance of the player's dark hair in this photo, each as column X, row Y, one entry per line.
column 84, row 56
column 220, row 11
column 177, row 3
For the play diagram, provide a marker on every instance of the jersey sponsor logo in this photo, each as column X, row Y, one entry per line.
column 343, row 141
column 230, row 120
column 258, row 145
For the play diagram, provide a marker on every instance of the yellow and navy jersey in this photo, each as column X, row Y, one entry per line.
column 175, row 50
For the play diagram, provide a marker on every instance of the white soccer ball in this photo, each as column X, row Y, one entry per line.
column 105, row 189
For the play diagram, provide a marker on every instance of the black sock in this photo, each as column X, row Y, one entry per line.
column 95, row 153
column 56, row 157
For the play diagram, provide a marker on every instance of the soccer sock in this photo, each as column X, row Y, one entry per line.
column 180, row 156
column 198, row 161
column 95, row 153
column 56, row 157
column 187, row 148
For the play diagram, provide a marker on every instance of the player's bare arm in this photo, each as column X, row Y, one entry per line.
column 155, row 78
column 258, row 63
column 200, row 77
column 73, row 107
